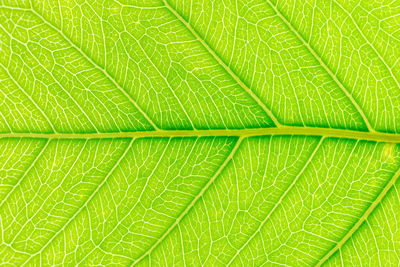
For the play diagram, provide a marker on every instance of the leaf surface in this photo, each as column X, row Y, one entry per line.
column 194, row 132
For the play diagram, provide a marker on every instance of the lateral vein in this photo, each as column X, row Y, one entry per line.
column 223, row 64
column 277, row 204
column 84, row 205
column 362, row 219
column 194, row 201
column 320, row 61
column 97, row 66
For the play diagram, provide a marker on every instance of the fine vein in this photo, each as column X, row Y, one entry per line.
column 371, row 45
column 222, row 63
column 320, row 61
column 90, row 197
column 279, row 201
column 362, row 219
column 25, row 174
column 194, row 201
column 97, row 67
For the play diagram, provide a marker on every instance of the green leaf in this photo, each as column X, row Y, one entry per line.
column 199, row 132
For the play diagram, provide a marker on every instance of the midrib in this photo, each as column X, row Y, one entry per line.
column 283, row 130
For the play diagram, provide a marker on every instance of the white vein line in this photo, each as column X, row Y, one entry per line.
column 84, row 204
column 78, row 105
column 320, row 61
column 30, row 98
column 160, row 159
column 49, row 196
column 165, row 79
column 362, row 219
column 25, row 173
column 194, row 201
column 370, row 44
column 5, row 121
column 97, row 67
column 10, row 156
column 222, row 64
column 279, row 201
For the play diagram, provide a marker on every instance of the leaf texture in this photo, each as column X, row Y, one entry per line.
column 199, row 133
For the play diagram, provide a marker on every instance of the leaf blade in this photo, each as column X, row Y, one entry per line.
column 199, row 132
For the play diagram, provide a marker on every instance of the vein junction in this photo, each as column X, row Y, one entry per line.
column 284, row 130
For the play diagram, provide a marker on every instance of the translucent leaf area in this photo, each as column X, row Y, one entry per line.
column 199, row 133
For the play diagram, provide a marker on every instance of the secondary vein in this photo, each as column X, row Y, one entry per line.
column 84, row 205
column 362, row 219
column 194, row 201
column 367, row 40
column 97, row 66
column 322, row 63
column 277, row 204
column 222, row 64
